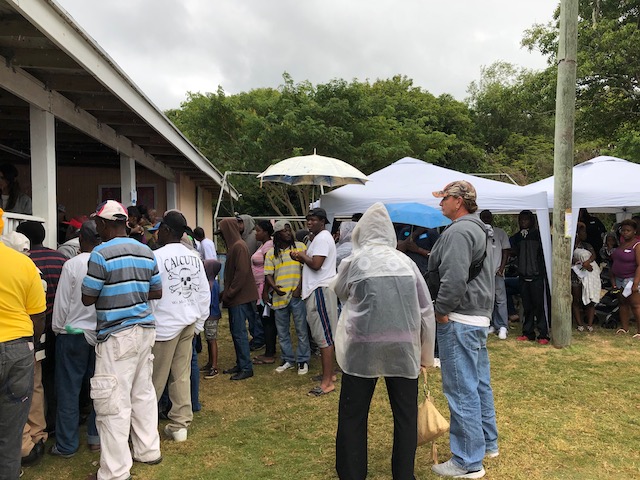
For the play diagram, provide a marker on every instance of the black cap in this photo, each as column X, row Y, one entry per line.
column 318, row 212
column 89, row 232
column 175, row 221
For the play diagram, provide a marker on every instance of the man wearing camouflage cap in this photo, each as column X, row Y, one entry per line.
column 461, row 280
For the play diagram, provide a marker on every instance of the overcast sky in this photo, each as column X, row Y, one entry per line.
column 170, row 47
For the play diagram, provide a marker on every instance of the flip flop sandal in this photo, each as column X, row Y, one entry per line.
column 318, row 392
column 263, row 361
column 636, row 336
column 622, row 330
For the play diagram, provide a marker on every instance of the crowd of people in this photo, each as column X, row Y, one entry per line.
column 107, row 329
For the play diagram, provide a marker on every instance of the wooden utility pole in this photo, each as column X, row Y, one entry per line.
column 562, row 172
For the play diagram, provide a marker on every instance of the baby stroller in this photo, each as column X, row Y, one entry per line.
column 607, row 310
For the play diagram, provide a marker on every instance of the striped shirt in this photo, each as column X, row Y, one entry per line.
column 286, row 273
column 50, row 263
column 121, row 272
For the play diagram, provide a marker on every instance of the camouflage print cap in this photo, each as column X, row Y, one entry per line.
column 459, row 188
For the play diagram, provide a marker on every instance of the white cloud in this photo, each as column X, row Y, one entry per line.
column 169, row 47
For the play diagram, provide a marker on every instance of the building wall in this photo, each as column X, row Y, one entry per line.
column 187, row 199
column 207, row 200
column 79, row 188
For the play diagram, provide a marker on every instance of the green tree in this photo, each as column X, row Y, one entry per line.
column 608, row 93
column 513, row 110
column 369, row 125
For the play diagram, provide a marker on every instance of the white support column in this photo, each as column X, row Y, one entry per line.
column 172, row 195
column 129, row 194
column 200, row 210
column 43, row 171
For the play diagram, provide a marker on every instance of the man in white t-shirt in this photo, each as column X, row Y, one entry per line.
column 206, row 247
column 501, row 247
column 180, row 314
column 319, row 268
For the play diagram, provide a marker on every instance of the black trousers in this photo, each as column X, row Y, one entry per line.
column 353, row 415
column 270, row 333
column 532, row 295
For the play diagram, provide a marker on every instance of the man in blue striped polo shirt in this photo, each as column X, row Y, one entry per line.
column 122, row 277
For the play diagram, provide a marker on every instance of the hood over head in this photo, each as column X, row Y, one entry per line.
column 211, row 268
column 249, row 225
column 374, row 228
column 346, row 231
column 230, row 231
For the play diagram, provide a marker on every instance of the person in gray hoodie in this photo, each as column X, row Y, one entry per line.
column 248, row 232
column 462, row 282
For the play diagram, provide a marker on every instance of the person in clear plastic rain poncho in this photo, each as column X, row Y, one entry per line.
column 386, row 329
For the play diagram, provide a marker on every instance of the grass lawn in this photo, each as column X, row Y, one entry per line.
column 562, row 414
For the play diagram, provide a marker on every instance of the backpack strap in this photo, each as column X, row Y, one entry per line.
column 476, row 267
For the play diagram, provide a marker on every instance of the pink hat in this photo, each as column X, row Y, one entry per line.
column 111, row 210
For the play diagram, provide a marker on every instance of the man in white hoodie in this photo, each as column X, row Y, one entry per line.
column 179, row 315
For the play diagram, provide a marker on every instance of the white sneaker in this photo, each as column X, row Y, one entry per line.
column 436, row 362
column 284, row 366
column 502, row 334
column 179, row 435
column 492, row 330
column 303, row 368
column 492, row 454
column 449, row 469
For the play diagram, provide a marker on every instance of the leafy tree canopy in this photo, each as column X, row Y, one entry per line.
column 368, row 125
column 608, row 93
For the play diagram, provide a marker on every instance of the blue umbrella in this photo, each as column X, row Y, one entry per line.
column 418, row 214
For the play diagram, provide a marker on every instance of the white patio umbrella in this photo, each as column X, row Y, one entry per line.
column 313, row 170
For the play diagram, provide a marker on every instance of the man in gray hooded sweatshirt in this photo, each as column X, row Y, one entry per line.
column 248, row 232
column 462, row 282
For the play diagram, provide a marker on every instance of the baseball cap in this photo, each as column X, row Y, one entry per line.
column 175, row 220
column 17, row 241
column 76, row 222
column 111, row 210
column 459, row 188
column 318, row 212
column 280, row 224
column 155, row 227
column 88, row 230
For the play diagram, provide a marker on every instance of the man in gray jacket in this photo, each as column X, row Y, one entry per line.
column 462, row 282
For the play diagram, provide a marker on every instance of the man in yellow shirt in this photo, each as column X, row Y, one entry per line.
column 22, row 307
column 283, row 275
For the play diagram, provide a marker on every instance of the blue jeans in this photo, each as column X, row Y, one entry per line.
column 195, row 380
column 500, row 312
column 296, row 308
column 466, row 383
column 238, row 317
column 256, row 330
column 16, row 386
column 75, row 361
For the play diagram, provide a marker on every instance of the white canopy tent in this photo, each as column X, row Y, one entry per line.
column 412, row 180
column 602, row 184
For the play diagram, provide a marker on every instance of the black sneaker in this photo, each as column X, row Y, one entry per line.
column 231, row 371
column 212, row 373
column 242, row 375
column 35, row 455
